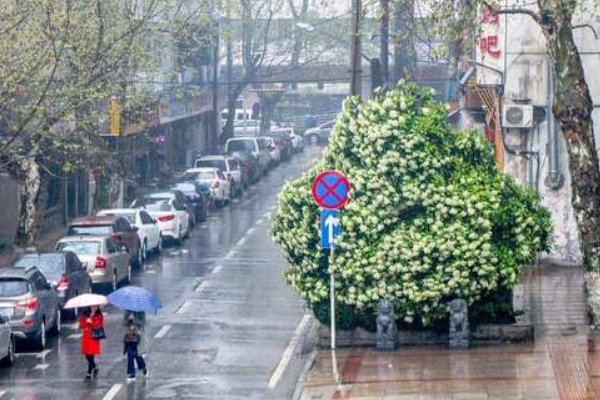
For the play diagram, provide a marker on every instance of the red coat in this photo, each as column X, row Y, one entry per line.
column 90, row 346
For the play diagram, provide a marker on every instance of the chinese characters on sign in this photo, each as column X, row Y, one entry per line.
column 490, row 49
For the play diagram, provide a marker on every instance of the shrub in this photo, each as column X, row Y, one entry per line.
column 430, row 217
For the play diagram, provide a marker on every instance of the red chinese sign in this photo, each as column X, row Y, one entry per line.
column 490, row 49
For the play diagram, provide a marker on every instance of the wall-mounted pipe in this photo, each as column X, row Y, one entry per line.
column 555, row 179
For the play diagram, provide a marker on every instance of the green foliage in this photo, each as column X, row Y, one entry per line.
column 430, row 217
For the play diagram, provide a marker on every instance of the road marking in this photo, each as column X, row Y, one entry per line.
column 150, row 272
column 289, row 352
column 163, row 331
column 184, row 306
column 41, row 367
column 267, row 214
column 231, row 254
column 260, row 221
column 202, row 286
column 112, row 393
column 241, row 242
column 2, row 393
column 250, row 231
column 75, row 336
column 217, row 269
column 44, row 353
column 273, row 208
column 74, row 326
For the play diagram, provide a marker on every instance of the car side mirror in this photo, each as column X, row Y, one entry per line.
column 135, row 228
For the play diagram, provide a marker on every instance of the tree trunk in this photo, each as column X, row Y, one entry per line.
column 573, row 110
column 384, row 31
column 404, row 45
column 268, row 101
column 33, row 188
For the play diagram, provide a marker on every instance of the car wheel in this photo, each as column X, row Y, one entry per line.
column 10, row 353
column 57, row 322
column 159, row 246
column 140, row 257
column 115, row 281
column 40, row 339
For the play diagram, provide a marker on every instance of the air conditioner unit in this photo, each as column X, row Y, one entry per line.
column 517, row 116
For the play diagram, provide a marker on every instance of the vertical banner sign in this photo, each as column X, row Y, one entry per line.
column 115, row 117
column 330, row 190
column 490, row 47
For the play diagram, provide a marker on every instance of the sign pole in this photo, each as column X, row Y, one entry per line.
column 332, row 293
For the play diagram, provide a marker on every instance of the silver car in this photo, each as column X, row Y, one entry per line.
column 7, row 343
column 106, row 261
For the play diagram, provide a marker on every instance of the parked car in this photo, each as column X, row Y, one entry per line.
column 171, row 214
column 230, row 167
column 283, row 139
column 297, row 143
column 249, row 166
column 249, row 127
column 148, row 229
column 320, row 134
column 273, row 148
column 118, row 228
column 107, row 262
column 63, row 270
column 7, row 343
column 220, row 185
column 253, row 146
column 195, row 196
column 30, row 304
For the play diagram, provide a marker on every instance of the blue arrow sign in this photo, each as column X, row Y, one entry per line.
column 330, row 227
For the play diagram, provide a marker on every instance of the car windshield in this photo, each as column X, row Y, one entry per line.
column 129, row 216
column 187, row 188
column 153, row 204
column 99, row 230
column 220, row 164
column 199, row 176
column 51, row 265
column 241, row 145
column 13, row 287
column 160, row 196
column 81, row 247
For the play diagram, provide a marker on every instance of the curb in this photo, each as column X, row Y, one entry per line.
column 304, row 375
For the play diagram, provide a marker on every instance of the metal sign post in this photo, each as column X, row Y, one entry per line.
column 330, row 191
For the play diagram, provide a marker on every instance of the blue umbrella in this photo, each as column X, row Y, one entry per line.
column 134, row 298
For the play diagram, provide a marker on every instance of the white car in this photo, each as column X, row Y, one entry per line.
column 274, row 150
column 215, row 179
column 7, row 343
column 148, row 228
column 252, row 146
column 249, row 127
column 228, row 165
column 173, row 218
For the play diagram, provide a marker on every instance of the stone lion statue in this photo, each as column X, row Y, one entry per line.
column 387, row 331
column 459, row 323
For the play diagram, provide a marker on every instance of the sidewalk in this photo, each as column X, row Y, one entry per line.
column 562, row 364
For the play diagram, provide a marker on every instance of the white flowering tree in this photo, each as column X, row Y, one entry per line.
column 430, row 217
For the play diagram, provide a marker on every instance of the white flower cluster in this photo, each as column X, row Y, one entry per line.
column 430, row 218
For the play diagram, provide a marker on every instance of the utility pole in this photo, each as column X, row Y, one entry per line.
column 384, row 32
column 355, row 56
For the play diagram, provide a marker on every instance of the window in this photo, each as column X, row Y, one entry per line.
column 105, row 230
column 329, row 125
column 241, row 145
column 112, row 246
column 13, row 287
column 39, row 282
column 51, row 265
column 200, row 176
column 83, row 247
column 221, row 176
column 220, row 164
column 121, row 225
column 146, row 219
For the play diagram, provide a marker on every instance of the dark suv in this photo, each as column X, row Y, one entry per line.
column 63, row 270
column 30, row 304
column 116, row 227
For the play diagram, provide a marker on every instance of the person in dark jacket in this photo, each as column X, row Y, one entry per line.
column 131, row 342
column 91, row 320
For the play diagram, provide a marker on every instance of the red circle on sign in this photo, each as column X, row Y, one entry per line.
column 330, row 190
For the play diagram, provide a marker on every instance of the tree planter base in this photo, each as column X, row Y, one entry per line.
column 480, row 335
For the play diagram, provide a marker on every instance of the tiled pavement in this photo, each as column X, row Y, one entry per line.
column 562, row 364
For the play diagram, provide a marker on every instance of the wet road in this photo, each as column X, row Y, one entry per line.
column 230, row 328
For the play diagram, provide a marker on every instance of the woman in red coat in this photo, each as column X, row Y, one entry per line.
column 90, row 347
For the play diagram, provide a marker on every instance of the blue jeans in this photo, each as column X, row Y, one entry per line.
column 132, row 358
